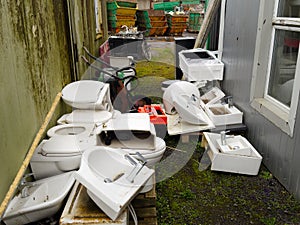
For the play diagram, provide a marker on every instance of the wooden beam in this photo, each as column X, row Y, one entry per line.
column 36, row 141
column 210, row 14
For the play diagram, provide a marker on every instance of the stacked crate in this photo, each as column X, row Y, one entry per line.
column 195, row 21
column 152, row 21
column 176, row 24
column 121, row 13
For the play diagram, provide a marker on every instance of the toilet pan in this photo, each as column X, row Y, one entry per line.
column 59, row 154
column 84, row 130
column 152, row 157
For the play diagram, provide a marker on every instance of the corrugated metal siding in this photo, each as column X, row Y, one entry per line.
column 281, row 153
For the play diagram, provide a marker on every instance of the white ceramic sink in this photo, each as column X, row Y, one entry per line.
column 235, row 145
column 45, row 198
column 223, row 114
column 212, row 97
column 112, row 178
column 233, row 163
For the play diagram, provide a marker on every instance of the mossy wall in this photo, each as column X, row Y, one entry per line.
column 35, row 65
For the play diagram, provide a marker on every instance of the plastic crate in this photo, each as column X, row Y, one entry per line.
column 158, row 23
column 157, row 31
column 177, row 18
column 176, row 30
column 113, row 9
column 118, row 4
column 142, row 17
column 121, row 17
column 120, row 23
column 156, row 113
column 196, row 18
column 193, row 28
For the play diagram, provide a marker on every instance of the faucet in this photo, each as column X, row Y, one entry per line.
column 138, row 165
column 228, row 100
column 223, row 137
column 24, row 185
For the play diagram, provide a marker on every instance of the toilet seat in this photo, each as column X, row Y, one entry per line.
column 61, row 146
column 71, row 129
column 88, row 116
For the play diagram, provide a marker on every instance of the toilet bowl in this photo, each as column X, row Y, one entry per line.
column 87, row 94
column 59, row 154
column 152, row 156
column 84, row 130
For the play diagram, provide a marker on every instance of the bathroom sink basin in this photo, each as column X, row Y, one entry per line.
column 112, row 178
column 235, row 145
column 45, row 198
column 233, row 163
column 212, row 97
column 223, row 114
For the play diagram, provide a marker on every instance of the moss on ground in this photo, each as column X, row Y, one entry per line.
column 208, row 197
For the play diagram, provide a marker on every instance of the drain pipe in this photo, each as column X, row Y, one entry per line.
column 36, row 141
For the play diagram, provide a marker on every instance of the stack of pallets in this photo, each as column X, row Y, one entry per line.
column 152, row 21
column 176, row 24
column 121, row 13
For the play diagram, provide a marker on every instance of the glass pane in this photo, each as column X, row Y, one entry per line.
column 283, row 67
column 288, row 8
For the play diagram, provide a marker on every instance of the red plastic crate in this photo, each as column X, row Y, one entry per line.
column 156, row 113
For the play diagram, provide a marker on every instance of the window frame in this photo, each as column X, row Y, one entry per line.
column 275, row 111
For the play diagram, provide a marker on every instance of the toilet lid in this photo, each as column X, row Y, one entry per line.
column 83, row 91
column 64, row 146
column 88, row 116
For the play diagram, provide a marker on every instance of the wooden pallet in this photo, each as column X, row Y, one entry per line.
column 144, row 205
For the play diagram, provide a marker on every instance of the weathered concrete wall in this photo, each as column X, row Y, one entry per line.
column 35, row 65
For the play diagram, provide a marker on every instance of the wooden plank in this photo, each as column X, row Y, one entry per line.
column 212, row 10
column 31, row 150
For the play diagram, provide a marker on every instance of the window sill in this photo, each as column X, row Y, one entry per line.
column 273, row 113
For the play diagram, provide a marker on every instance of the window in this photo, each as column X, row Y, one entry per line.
column 276, row 72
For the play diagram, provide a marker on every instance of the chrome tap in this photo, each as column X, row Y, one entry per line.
column 138, row 165
column 228, row 100
column 24, row 185
column 223, row 137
